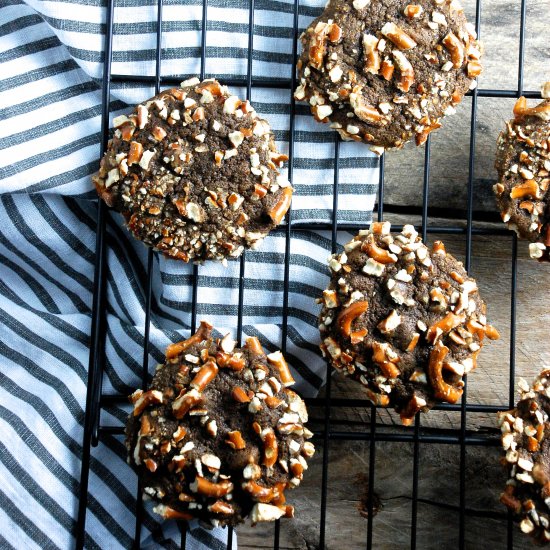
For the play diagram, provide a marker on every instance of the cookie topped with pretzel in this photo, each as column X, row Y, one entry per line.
column 195, row 172
column 385, row 71
column 525, row 442
column 219, row 435
column 523, row 166
column 404, row 320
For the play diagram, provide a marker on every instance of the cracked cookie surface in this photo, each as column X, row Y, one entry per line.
column 523, row 166
column 526, row 442
column 405, row 321
column 385, row 71
column 195, row 173
column 219, row 436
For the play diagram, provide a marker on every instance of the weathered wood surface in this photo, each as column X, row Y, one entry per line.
column 489, row 384
column 438, row 483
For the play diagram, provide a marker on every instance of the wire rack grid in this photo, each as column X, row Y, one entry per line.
column 460, row 437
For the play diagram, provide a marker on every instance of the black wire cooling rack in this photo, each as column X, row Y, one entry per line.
column 460, row 437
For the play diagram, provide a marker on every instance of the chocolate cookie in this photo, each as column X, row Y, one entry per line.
column 219, row 435
column 195, row 172
column 525, row 440
column 405, row 321
column 382, row 71
column 523, row 166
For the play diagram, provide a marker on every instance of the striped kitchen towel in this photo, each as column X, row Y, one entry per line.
column 50, row 100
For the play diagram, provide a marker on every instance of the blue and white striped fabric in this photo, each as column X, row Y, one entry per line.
column 50, row 99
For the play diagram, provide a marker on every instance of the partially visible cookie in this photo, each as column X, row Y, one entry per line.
column 525, row 440
column 219, row 436
column 405, row 321
column 523, row 166
column 195, row 172
column 384, row 71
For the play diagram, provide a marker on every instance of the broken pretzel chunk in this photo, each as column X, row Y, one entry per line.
column 185, row 402
column 403, row 320
column 317, row 47
column 206, row 374
column 473, row 69
column 529, row 189
column 399, row 37
column 240, row 395
column 364, row 111
column 157, row 172
column 525, row 458
column 413, row 10
column 406, row 71
column 271, row 451
column 219, row 432
column 386, row 69
column 371, row 53
column 235, row 440
column 147, row 398
column 542, row 110
column 170, row 513
column 444, row 326
column 415, row 405
column 348, row 315
column 278, row 210
column 455, row 48
column 382, row 356
column 135, row 153
column 381, row 255
column 203, row 486
column 443, row 391
column 204, row 332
